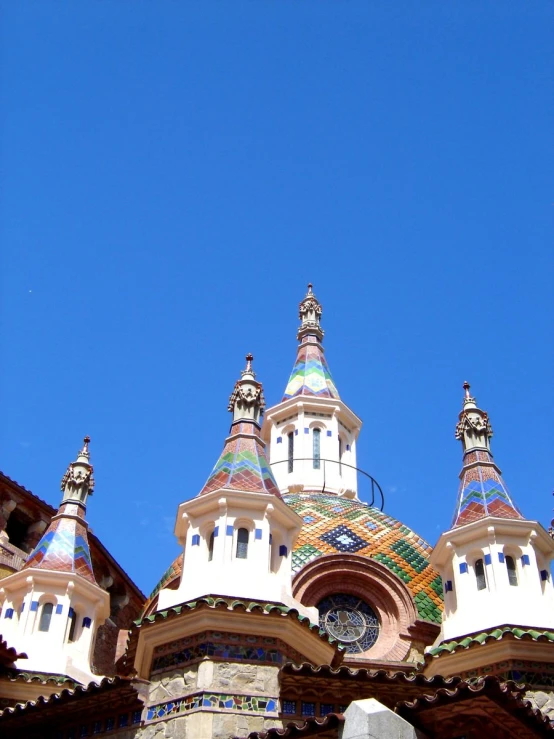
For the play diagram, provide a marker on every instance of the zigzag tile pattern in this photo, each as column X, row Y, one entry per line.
column 333, row 525
column 311, row 375
column 482, row 491
column 64, row 548
column 242, row 464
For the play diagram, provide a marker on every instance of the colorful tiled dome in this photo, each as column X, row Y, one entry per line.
column 336, row 525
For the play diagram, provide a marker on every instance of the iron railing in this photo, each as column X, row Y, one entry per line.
column 375, row 487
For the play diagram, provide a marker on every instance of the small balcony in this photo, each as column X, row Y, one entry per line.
column 328, row 476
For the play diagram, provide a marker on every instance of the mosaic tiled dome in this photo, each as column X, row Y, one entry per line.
column 336, row 525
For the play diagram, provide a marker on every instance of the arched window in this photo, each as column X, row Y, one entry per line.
column 291, row 451
column 72, row 625
column 211, row 546
column 317, row 448
column 340, row 455
column 480, row 575
column 45, row 617
column 512, row 572
column 242, row 543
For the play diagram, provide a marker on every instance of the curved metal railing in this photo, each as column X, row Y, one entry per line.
column 375, row 487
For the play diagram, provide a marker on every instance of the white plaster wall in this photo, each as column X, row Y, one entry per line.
column 264, row 575
column 50, row 651
column 331, row 475
column 468, row 610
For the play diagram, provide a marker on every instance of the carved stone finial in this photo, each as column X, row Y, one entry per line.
column 310, row 315
column 78, row 480
column 473, row 428
column 247, row 400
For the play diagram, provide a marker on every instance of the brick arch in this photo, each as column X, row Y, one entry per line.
column 374, row 583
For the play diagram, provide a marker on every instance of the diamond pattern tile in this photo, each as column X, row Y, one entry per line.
column 482, row 491
column 242, row 464
column 344, row 539
column 310, row 374
column 64, row 548
column 351, row 526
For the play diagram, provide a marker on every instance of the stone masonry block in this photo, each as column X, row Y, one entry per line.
column 369, row 719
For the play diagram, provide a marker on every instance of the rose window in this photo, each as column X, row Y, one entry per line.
column 350, row 620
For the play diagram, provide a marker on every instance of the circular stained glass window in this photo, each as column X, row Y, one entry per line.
column 349, row 620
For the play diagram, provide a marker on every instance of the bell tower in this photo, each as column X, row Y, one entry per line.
column 312, row 433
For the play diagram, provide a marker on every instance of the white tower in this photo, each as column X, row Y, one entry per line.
column 53, row 607
column 238, row 533
column 312, row 433
column 494, row 563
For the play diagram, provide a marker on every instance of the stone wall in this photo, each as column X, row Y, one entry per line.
column 212, row 699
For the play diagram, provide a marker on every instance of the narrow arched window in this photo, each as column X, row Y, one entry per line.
column 480, row 575
column 211, row 546
column 340, row 455
column 291, row 451
column 512, row 572
column 45, row 617
column 242, row 543
column 72, row 625
column 317, row 448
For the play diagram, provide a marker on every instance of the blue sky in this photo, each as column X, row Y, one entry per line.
column 174, row 173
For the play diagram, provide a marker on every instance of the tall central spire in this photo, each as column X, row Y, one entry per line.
column 310, row 374
column 482, row 491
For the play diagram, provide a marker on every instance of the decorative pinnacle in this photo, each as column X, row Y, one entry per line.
column 84, row 451
column 310, row 315
column 249, row 360
column 247, row 400
column 78, row 480
column 473, row 428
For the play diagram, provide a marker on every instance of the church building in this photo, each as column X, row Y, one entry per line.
column 294, row 607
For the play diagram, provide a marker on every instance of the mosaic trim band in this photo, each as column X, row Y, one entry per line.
column 222, row 645
column 216, row 701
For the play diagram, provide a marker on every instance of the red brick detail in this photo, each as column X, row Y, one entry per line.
column 377, row 585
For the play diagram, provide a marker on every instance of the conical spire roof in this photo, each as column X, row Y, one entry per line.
column 64, row 546
column 242, row 464
column 482, row 491
column 310, row 374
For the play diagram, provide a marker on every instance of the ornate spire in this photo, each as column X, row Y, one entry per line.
column 310, row 374
column 243, row 464
column 78, row 480
column 247, row 400
column 309, row 312
column 482, row 490
column 64, row 546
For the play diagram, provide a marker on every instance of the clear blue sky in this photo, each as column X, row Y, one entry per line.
column 174, row 173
